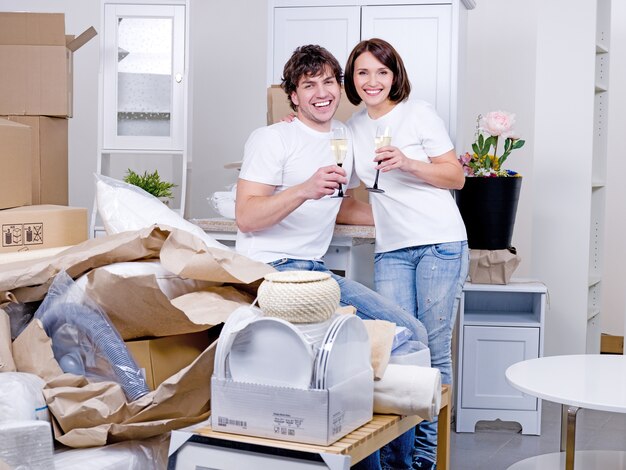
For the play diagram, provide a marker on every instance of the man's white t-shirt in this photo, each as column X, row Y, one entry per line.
column 284, row 155
column 410, row 212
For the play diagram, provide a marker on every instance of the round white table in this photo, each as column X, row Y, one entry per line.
column 590, row 381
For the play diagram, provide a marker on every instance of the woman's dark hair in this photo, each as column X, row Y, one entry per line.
column 389, row 57
column 310, row 60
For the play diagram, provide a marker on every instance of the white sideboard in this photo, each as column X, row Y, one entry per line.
column 499, row 325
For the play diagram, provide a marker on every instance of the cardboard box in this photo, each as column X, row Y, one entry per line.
column 15, row 168
column 45, row 226
column 36, row 64
column 163, row 357
column 611, row 344
column 49, row 149
column 310, row 416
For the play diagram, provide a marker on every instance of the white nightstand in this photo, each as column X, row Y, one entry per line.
column 499, row 325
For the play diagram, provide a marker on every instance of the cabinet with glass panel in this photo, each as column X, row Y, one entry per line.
column 143, row 92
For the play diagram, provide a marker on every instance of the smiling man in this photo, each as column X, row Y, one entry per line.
column 284, row 211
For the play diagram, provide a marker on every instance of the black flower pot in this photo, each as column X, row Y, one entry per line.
column 488, row 207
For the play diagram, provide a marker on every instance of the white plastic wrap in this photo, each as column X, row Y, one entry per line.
column 149, row 454
column 26, row 445
column 125, row 207
column 21, row 397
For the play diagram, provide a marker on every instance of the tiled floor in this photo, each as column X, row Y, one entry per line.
column 497, row 445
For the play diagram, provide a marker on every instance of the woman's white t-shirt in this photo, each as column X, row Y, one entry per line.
column 284, row 155
column 410, row 212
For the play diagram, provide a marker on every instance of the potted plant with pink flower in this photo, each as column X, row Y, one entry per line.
column 488, row 201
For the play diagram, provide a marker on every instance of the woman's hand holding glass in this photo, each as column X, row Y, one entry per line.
column 382, row 139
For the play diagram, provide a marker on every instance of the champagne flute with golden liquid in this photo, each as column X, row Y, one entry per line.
column 383, row 139
column 339, row 146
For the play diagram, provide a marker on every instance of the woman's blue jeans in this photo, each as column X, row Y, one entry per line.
column 427, row 281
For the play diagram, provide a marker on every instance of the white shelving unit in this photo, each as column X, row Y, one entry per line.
column 143, row 87
column 598, row 175
column 499, row 325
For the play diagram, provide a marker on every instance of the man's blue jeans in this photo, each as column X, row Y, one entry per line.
column 369, row 305
column 427, row 281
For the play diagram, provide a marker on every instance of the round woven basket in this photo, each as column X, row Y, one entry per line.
column 299, row 296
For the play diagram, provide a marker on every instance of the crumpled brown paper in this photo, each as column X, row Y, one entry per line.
column 493, row 266
column 136, row 305
column 6, row 354
column 91, row 414
column 180, row 252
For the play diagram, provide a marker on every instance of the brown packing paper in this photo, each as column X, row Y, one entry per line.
column 92, row 414
column 184, row 255
column 6, row 354
column 32, row 352
column 492, row 266
column 140, row 309
column 381, row 335
column 29, row 280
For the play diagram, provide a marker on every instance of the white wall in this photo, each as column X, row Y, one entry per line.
column 500, row 60
column 614, row 292
column 228, row 59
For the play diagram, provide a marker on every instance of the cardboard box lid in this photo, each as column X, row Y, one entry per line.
column 86, row 36
column 32, row 29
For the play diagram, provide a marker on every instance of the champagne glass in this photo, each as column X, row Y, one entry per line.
column 339, row 146
column 383, row 138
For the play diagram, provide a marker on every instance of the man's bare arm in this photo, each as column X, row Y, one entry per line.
column 258, row 207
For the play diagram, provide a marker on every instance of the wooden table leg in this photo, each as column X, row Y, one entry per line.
column 443, row 436
column 568, row 434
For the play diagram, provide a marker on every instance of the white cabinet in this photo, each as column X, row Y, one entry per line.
column 426, row 34
column 143, row 92
column 499, row 325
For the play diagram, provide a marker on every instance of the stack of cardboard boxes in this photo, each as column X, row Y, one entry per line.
column 35, row 104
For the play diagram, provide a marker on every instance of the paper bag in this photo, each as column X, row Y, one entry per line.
column 493, row 266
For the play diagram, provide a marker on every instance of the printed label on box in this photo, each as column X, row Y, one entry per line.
column 224, row 421
column 337, row 422
column 22, row 234
column 286, row 425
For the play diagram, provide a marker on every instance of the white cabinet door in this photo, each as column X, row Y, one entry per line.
column 143, row 77
column 422, row 36
column 335, row 28
column 487, row 353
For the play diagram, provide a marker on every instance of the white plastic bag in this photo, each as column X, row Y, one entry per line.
column 125, row 207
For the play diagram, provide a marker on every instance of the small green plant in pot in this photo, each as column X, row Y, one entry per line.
column 151, row 183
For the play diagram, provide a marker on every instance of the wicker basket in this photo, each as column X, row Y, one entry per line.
column 299, row 296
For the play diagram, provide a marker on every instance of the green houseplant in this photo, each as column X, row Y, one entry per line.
column 488, row 200
column 151, row 183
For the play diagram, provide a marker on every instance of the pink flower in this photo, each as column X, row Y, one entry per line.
column 498, row 123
